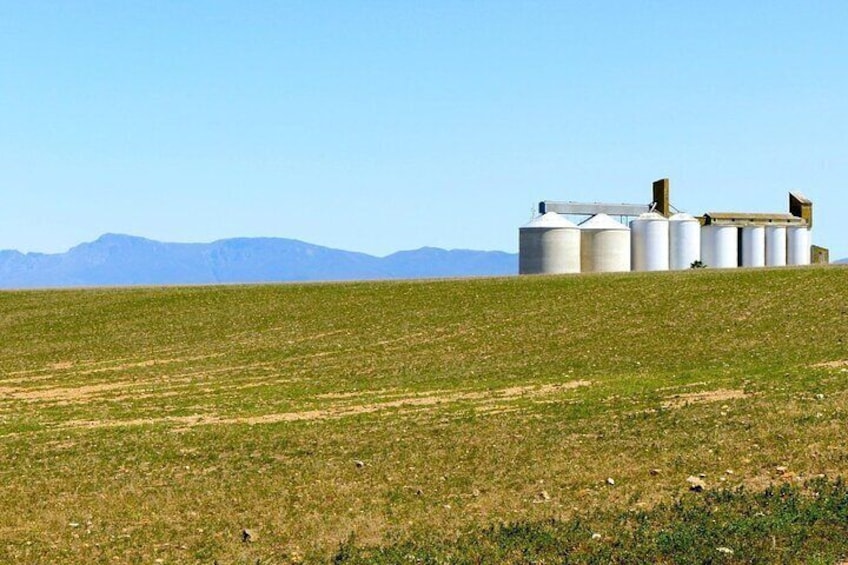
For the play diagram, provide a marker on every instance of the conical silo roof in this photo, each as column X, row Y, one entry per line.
column 602, row 222
column 548, row 221
column 682, row 217
column 651, row 217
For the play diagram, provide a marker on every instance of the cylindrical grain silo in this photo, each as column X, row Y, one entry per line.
column 684, row 241
column 753, row 246
column 549, row 244
column 726, row 247
column 720, row 246
column 649, row 242
column 797, row 245
column 604, row 245
column 775, row 246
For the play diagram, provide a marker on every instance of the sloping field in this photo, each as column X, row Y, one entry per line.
column 154, row 425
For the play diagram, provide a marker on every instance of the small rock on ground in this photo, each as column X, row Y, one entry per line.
column 696, row 484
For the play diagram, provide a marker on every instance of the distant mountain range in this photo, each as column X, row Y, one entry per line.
column 117, row 260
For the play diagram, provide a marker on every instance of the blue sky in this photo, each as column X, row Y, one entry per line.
column 378, row 126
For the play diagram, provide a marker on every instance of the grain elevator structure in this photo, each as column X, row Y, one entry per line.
column 575, row 237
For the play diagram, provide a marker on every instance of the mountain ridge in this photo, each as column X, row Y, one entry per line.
column 128, row 260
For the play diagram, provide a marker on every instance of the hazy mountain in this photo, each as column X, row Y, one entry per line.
column 842, row 261
column 127, row 260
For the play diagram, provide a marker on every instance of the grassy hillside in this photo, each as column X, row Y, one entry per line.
column 156, row 424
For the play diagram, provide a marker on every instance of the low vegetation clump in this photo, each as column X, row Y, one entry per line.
column 782, row 524
column 675, row 415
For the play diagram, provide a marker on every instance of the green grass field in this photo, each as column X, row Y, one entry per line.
column 438, row 421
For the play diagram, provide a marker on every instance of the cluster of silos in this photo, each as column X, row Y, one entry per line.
column 660, row 244
column 785, row 245
column 550, row 244
column 728, row 246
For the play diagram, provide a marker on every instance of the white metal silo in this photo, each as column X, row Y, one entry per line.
column 604, row 245
column 726, row 247
column 753, row 246
column 775, row 246
column 720, row 246
column 649, row 242
column 684, row 240
column 549, row 244
column 797, row 245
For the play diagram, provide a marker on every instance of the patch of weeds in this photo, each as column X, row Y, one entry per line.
column 785, row 523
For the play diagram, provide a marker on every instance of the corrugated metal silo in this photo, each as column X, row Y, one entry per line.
column 549, row 244
column 797, row 245
column 720, row 246
column 649, row 242
column 753, row 246
column 604, row 245
column 775, row 246
column 684, row 238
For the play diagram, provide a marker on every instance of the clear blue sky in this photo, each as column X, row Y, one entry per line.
column 377, row 126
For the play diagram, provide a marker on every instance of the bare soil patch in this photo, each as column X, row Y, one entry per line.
column 838, row 364
column 484, row 401
column 60, row 394
column 680, row 400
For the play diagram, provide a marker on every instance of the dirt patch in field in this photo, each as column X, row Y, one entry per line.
column 89, row 368
column 398, row 395
column 187, row 421
column 488, row 402
column 839, row 364
column 484, row 398
column 130, row 388
column 83, row 365
column 63, row 394
column 153, row 386
column 680, row 400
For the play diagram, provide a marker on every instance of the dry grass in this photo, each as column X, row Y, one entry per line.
column 149, row 424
